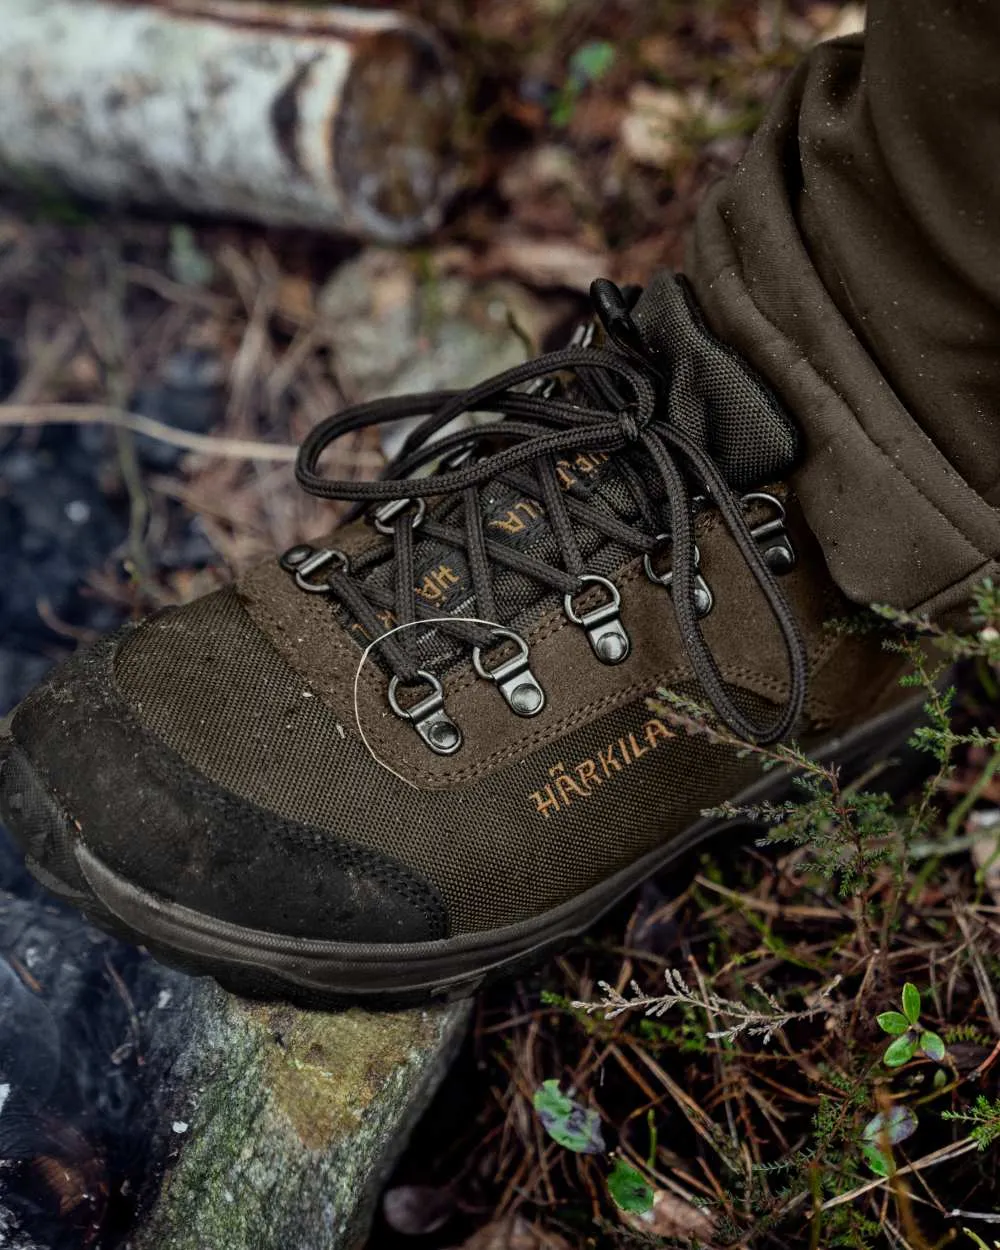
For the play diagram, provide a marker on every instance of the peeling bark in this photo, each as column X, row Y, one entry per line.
column 332, row 118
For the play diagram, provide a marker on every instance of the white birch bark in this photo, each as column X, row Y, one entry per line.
column 332, row 118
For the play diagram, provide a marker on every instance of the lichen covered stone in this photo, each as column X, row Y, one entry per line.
column 285, row 1124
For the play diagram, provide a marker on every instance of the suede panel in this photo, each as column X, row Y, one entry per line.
column 743, row 637
column 148, row 815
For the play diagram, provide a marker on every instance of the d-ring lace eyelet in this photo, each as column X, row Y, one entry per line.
column 771, row 536
column 385, row 516
column 514, row 678
column 615, row 400
column 704, row 600
column 608, row 637
column 304, row 561
column 428, row 716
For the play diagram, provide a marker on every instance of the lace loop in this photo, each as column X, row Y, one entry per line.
column 622, row 411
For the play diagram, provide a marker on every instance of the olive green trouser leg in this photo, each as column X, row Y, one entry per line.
column 854, row 257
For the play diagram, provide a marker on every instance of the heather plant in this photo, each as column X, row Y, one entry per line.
column 828, row 1033
column 908, row 1034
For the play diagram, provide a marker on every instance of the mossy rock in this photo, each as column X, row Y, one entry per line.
column 283, row 1125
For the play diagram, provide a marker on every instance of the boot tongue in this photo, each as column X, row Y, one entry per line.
column 516, row 519
column 713, row 395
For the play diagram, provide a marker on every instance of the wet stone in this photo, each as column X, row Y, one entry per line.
column 396, row 330
column 78, row 1113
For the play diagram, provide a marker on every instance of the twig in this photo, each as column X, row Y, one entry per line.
column 178, row 292
column 783, row 910
column 102, row 414
column 936, row 1156
column 106, row 327
column 50, row 355
column 75, row 633
column 979, row 970
column 718, row 1064
column 126, row 998
column 987, row 1063
column 746, row 1019
column 25, row 974
column 972, row 796
column 985, row 1216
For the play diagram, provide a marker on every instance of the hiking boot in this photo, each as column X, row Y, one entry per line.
column 422, row 751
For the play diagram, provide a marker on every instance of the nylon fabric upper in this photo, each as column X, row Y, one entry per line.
column 211, row 685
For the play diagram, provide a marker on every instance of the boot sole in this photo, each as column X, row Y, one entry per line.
column 258, row 964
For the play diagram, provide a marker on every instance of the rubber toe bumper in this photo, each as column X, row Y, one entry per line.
column 81, row 769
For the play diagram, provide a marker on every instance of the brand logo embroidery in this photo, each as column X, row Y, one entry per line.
column 436, row 583
column 580, row 780
column 433, row 589
column 511, row 522
column 584, row 462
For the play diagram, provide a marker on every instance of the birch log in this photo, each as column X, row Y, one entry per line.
column 332, row 118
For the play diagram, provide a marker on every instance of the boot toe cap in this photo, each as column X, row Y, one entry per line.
column 82, row 768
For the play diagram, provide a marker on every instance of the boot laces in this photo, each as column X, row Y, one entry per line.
column 615, row 408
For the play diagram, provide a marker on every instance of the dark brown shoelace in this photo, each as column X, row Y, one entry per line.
column 616, row 408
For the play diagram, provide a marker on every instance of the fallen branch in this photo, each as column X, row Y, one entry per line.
column 99, row 414
column 936, row 1156
column 333, row 118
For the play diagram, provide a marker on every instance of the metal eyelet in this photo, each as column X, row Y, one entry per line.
column 428, row 717
column 304, row 561
column 513, row 677
column 771, row 536
column 584, row 334
column 541, row 388
column 545, row 388
column 704, row 600
column 456, row 459
column 607, row 635
column 385, row 515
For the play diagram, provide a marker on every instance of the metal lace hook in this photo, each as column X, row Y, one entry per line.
column 428, row 716
column 386, row 515
column 607, row 635
column 704, row 600
column 514, row 678
column 771, row 536
column 303, row 561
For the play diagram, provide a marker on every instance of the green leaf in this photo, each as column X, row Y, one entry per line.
column 900, row 1051
column 879, row 1163
column 932, row 1045
column 911, row 1002
column 591, row 62
column 629, row 1189
column 886, row 1129
column 187, row 263
column 893, row 1023
column 893, row 1126
column 567, row 1122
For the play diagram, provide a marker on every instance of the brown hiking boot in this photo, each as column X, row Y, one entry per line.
column 229, row 784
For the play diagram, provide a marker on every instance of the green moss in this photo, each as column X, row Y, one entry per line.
column 324, row 1071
